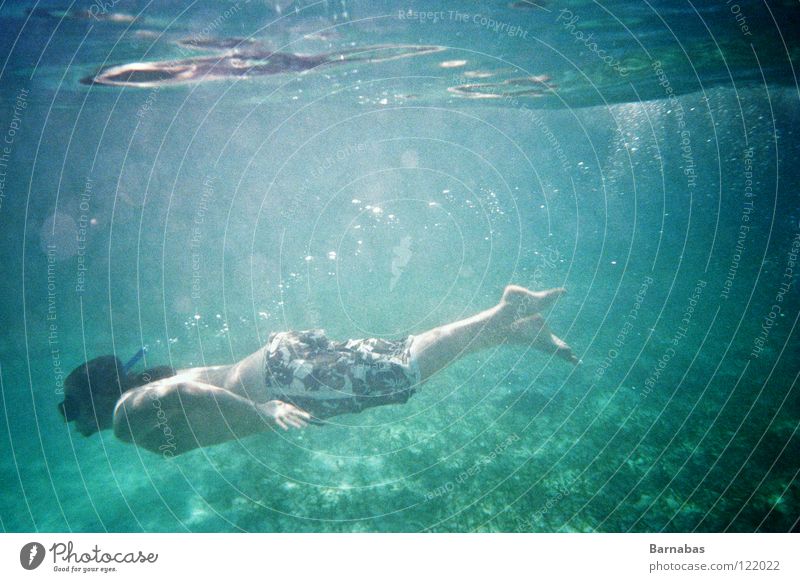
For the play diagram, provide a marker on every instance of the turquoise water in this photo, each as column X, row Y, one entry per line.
column 649, row 168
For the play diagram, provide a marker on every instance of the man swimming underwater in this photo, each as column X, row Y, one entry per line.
column 296, row 378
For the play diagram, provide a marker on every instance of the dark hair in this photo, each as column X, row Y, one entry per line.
column 103, row 380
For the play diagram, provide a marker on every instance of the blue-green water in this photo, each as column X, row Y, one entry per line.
column 650, row 168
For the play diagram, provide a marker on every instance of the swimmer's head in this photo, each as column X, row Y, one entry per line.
column 92, row 390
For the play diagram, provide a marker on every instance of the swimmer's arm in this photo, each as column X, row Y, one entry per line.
column 172, row 417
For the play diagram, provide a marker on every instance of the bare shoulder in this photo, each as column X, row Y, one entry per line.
column 193, row 380
column 151, row 391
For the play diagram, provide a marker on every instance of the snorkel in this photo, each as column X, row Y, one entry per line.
column 134, row 360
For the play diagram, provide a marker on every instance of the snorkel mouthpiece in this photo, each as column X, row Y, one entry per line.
column 134, row 360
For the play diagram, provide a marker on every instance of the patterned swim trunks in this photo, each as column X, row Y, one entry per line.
column 326, row 378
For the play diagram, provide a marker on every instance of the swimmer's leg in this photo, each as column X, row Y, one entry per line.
column 513, row 320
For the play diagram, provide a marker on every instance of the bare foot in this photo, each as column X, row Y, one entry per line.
column 534, row 331
column 520, row 302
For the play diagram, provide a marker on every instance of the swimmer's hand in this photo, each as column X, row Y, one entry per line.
column 285, row 414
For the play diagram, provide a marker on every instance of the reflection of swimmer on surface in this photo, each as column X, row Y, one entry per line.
column 93, row 13
column 402, row 255
column 296, row 378
column 233, row 42
column 535, row 86
column 250, row 62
